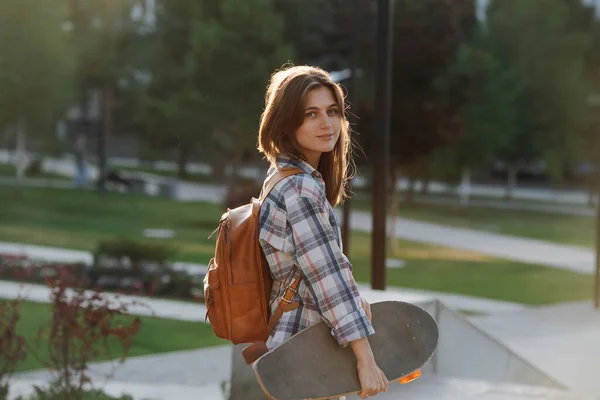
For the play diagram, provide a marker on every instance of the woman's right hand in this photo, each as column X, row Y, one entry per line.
column 372, row 379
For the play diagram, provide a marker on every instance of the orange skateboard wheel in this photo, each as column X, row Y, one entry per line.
column 411, row 377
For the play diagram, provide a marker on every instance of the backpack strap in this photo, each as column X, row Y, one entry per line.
column 286, row 303
column 276, row 178
column 256, row 350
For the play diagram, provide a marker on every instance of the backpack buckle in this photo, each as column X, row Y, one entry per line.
column 288, row 290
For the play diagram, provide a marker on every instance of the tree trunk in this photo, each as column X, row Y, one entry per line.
column 346, row 225
column 102, row 135
column 21, row 161
column 425, row 185
column 393, row 210
column 233, row 169
column 465, row 187
column 410, row 191
column 426, row 176
column 512, row 182
column 593, row 189
column 182, row 160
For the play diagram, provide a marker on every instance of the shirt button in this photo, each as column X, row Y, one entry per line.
column 316, row 174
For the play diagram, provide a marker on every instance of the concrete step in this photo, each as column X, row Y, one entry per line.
column 561, row 340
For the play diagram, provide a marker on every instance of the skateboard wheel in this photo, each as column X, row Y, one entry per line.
column 411, row 377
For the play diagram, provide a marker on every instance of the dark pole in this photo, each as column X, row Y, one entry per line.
column 346, row 225
column 380, row 154
column 594, row 101
column 597, row 280
column 355, row 29
column 101, row 129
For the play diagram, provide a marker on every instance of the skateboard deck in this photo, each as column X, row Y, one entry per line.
column 311, row 364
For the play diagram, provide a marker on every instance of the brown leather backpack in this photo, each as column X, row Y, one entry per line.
column 237, row 285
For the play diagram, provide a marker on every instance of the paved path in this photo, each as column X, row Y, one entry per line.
column 139, row 391
column 531, row 206
column 180, row 310
column 514, row 248
column 198, row 374
column 436, row 387
column 190, row 311
column 426, row 388
column 193, row 375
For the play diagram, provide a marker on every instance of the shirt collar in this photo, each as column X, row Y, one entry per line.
column 283, row 161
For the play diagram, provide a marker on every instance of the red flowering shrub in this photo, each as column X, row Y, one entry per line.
column 85, row 325
column 12, row 346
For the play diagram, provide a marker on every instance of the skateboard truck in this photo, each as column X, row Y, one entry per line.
column 413, row 376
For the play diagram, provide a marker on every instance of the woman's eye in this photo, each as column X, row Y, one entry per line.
column 311, row 114
column 333, row 112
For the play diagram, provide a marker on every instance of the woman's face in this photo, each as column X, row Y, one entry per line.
column 321, row 127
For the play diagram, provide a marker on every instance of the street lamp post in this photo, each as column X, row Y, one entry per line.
column 596, row 189
column 594, row 102
column 380, row 154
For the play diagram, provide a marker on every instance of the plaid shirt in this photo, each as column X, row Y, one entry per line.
column 298, row 227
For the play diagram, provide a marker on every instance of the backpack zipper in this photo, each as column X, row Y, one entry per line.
column 229, row 245
column 226, row 291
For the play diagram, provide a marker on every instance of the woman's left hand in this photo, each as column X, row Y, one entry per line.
column 366, row 307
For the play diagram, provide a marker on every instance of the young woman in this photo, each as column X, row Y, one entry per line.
column 304, row 126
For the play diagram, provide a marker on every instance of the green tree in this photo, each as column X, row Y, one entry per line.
column 427, row 35
column 326, row 33
column 584, row 20
column 35, row 68
column 491, row 113
column 536, row 39
column 209, row 67
column 102, row 37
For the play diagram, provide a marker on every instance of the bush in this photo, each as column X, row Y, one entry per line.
column 133, row 266
column 12, row 346
column 23, row 269
column 175, row 284
column 109, row 274
column 135, row 251
column 82, row 326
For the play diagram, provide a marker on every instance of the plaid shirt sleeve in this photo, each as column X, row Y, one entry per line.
column 327, row 272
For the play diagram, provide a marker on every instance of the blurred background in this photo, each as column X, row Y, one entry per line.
column 127, row 127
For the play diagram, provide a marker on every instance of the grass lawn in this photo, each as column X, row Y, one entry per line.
column 78, row 219
column 565, row 229
column 9, row 170
column 457, row 271
column 156, row 335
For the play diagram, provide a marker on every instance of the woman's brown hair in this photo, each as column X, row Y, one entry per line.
column 284, row 114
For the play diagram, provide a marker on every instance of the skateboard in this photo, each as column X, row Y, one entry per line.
column 311, row 364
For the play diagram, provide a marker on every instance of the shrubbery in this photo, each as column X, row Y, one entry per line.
column 82, row 325
column 121, row 265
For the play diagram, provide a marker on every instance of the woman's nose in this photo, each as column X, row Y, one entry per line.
column 326, row 121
